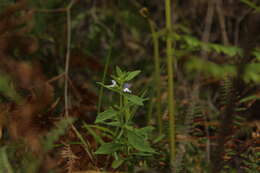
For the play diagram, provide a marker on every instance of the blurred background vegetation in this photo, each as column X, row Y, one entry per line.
column 56, row 50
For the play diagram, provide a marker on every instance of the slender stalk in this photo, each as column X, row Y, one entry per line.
column 157, row 74
column 67, row 58
column 103, row 80
column 171, row 102
column 66, row 75
column 149, row 114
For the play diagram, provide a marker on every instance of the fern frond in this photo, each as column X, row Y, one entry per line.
column 226, row 90
column 70, row 157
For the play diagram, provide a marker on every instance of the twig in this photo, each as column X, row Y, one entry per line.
column 68, row 12
column 221, row 18
column 208, row 24
column 238, row 21
column 56, row 78
column 206, row 39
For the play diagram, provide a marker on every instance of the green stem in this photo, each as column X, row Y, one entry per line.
column 120, row 117
column 157, row 74
column 149, row 114
column 128, row 116
column 103, row 80
column 171, row 102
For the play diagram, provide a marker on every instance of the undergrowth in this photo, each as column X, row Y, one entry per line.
column 192, row 107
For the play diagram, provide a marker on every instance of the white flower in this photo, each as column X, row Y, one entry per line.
column 113, row 84
column 127, row 90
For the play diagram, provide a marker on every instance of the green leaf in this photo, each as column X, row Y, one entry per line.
column 131, row 75
column 143, row 154
column 7, row 88
column 228, row 50
column 138, row 142
column 100, row 83
column 145, row 131
column 114, row 123
column 252, row 97
column 159, row 138
column 4, row 162
column 104, row 129
column 115, row 89
column 251, row 4
column 119, row 72
column 252, row 72
column 108, row 148
column 55, row 133
column 117, row 163
column 94, row 134
column 210, row 68
column 256, row 53
column 135, row 99
column 106, row 115
column 191, row 41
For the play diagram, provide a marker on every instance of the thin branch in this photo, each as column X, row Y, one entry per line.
column 208, row 24
column 68, row 12
column 66, row 74
column 238, row 21
column 221, row 17
column 56, row 78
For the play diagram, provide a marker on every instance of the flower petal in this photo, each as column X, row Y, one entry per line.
column 113, row 84
column 127, row 90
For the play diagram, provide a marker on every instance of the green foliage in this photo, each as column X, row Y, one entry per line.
column 249, row 162
column 11, row 161
column 7, row 88
column 256, row 53
column 138, row 141
column 106, row 115
column 191, row 43
column 252, row 73
column 249, row 98
column 120, row 137
column 108, row 148
column 127, row 142
column 252, row 162
column 4, row 162
column 15, row 159
column 209, row 68
column 54, row 134
column 251, row 4
column 226, row 90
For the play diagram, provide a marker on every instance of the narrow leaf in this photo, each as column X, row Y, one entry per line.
column 119, row 72
column 94, row 134
column 132, row 75
column 136, row 100
column 138, row 142
column 249, row 98
column 117, row 163
column 108, row 114
column 108, row 148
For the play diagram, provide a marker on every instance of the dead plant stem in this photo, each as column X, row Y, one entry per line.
column 171, row 101
column 66, row 74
